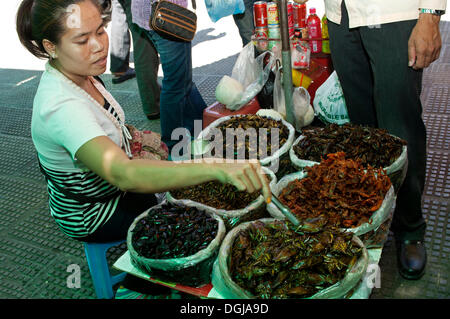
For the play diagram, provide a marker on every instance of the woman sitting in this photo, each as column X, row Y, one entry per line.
column 95, row 189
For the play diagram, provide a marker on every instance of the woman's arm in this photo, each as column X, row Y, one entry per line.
column 106, row 159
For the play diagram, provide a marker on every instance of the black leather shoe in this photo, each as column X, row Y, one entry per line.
column 153, row 116
column 411, row 258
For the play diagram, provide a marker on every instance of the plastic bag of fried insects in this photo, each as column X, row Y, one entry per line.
column 376, row 238
column 271, row 259
column 175, row 243
column 256, row 130
column 332, row 203
column 224, row 200
column 373, row 146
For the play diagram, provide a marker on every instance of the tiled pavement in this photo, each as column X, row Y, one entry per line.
column 35, row 254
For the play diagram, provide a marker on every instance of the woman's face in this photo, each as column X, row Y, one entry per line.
column 83, row 49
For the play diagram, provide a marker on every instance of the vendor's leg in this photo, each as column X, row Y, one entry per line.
column 244, row 22
column 351, row 62
column 120, row 39
column 399, row 110
column 130, row 206
column 397, row 90
column 195, row 104
column 178, row 90
column 146, row 63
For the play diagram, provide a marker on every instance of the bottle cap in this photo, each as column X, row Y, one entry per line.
column 312, row 10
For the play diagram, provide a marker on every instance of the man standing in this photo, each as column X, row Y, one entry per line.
column 379, row 49
column 244, row 22
column 120, row 45
column 146, row 62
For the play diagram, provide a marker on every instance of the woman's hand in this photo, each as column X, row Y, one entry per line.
column 244, row 175
column 424, row 45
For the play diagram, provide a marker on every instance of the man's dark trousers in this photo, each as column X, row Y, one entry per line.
column 146, row 64
column 380, row 90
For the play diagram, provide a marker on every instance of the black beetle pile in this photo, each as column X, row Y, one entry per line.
column 173, row 231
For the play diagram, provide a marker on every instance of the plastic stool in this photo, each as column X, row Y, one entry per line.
column 98, row 266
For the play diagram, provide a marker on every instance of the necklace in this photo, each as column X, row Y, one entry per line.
column 118, row 122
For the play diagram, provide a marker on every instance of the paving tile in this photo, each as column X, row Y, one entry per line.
column 17, row 96
column 15, row 121
column 16, row 77
column 19, row 158
column 438, row 130
column 438, row 98
column 438, row 171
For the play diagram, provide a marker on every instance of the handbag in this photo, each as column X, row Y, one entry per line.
column 172, row 21
column 147, row 145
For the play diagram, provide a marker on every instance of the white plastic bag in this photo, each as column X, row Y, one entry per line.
column 217, row 9
column 396, row 171
column 225, row 285
column 279, row 104
column 190, row 270
column 268, row 161
column 303, row 111
column 229, row 91
column 329, row 102
column 251, row 73
column 230, row 217
column 377, row 218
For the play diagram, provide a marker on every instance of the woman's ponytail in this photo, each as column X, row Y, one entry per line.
column 24, row 27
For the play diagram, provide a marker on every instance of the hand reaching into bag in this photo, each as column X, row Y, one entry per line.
column 245, row 175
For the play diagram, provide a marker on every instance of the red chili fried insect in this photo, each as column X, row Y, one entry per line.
column 341, row 189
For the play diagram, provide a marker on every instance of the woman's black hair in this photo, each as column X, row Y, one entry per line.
column 44, row 19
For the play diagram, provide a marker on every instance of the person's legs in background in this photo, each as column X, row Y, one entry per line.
column 120, row 45
column 397, row 90
column 244, row 22
column 352, row 66
column 382, row 91
column 180, row 99
column 146, row 63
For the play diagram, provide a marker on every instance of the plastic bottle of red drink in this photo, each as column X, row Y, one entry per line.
column 313, row 24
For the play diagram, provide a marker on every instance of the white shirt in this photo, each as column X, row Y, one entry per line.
column 375, row 12
column 64, row 118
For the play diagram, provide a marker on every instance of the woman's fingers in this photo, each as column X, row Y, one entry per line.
column 245, row 176
column 253, row 177
column 263, row 183
column 258, row 179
